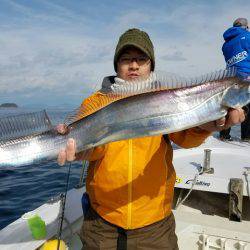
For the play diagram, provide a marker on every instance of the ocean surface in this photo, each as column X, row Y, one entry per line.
column 23, row 189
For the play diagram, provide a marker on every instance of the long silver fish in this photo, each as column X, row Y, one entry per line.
column 159, row 105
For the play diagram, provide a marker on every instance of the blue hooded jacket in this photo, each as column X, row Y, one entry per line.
column 236, row 48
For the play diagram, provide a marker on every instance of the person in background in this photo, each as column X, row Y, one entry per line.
column 130, row 183
column 236, row 51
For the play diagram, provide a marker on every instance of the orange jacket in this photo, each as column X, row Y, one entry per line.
column 131, row 182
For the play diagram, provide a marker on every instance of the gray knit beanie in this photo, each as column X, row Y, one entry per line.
column 135, row 38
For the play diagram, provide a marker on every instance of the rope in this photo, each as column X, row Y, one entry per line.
column 190, row 190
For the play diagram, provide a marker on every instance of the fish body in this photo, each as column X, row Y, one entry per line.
column 146, row 113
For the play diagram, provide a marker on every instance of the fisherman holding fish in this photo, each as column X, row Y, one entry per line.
column 130, row 183
column 236, row 50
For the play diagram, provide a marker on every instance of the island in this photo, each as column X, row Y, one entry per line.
column 8, row 105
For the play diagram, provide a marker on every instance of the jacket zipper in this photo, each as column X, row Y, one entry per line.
column 130, row 158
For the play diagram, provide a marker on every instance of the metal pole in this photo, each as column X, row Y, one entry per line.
column 207, row 160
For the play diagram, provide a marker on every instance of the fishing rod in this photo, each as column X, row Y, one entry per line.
column 63, row 198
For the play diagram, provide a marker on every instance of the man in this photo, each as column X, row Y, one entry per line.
column 236, row 51
column 130, row 183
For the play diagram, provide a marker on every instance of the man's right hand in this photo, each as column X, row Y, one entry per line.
column 68, row 153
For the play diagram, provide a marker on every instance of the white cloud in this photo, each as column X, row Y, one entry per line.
column 200, row 29
column 175, row 56
column 52, row 62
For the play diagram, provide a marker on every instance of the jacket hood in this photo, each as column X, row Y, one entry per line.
column 233, row 32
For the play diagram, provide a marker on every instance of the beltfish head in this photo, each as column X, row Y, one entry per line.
column 238, row 94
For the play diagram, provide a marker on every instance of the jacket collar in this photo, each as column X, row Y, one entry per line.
column 106, row 84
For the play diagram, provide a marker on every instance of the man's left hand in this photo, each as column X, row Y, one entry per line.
column 233, row 117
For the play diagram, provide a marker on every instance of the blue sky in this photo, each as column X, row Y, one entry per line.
column 55, row 53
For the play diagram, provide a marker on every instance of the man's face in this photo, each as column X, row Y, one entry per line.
column 133, row 63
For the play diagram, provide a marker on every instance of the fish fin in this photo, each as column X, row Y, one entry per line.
column 159, row 81
column 156, row 82
column 91, row 107
column 12, row 127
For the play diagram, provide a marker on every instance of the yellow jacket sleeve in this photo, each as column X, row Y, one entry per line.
column 189, row 138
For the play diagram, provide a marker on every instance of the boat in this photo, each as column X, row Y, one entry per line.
column 211, row 203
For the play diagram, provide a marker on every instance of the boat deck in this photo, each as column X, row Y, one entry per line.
column 202, row 221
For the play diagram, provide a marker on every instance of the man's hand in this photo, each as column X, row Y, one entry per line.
column 233, row 117
column 68, row 153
